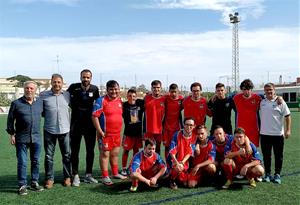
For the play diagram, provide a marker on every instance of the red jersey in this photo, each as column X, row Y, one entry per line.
column 109, row 113
column 173, row 113
column 154, row 114
column 196, row 109
column 182, row 146
column 207, row 152
column 145, row 163
column 247, row 116
column 220, row 147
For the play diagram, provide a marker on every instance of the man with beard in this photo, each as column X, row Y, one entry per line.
column 83, row 96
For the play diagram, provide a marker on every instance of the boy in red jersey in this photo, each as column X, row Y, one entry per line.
column 107, row 119
column 154, row 114
column 173, row 117
column 203, row 160
column 147, row 166
column 181, row 149
column 247, row 106
column 238, row 161
column 133, row 111
column 195, row 106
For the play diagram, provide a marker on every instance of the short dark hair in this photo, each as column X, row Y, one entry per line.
column 86, row 71
column 112, row 83
column 196, row 84
column 218, row 127
column 239, row 130
column 198, row 127
column 269, row 85
column 150, row 142
column 188, row 118
column 56, row 75
column 246, row 84
column 131, row 90
column 155, row 82
column 220, row 85
column 173, row 86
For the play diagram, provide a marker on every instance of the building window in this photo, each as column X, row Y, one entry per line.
column 293, row 97
column 286, row 97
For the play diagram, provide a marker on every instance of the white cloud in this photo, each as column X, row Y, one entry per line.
column 253, row 8
column 181, row 58
column 63, row 2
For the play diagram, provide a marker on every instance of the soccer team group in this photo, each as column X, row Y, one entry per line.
column 193, row 154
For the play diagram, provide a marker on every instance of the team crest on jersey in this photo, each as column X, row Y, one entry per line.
column 253, row 101
column 119, row 105
column 179, row 103
column 162, row 104
column 201, row 106
column 91, row 94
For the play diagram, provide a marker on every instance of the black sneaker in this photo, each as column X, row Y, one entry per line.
column 23, row 190
column 36, row 187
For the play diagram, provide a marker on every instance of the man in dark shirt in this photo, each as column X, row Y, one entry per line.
column 221, row 107
column 133, row 110
column 83, row 96
column 23, row 126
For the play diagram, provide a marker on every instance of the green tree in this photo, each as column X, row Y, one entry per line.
column 20, row 80
column 4, row 101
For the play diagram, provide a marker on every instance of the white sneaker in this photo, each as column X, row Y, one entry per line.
column 119, row 176
column 124, row 172
column 76, row 181
column 239, row 176
column 259, row 179
column 107, row 181
column 89, row 179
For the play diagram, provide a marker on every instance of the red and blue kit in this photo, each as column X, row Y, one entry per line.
column 220, row 147
column 239, row 161
column 109, row 113
column 180, row 147
column 196, row 109
column 154, row 116
column 173, row 118
column 207, row 152
column 247, row 115
column 148, row 166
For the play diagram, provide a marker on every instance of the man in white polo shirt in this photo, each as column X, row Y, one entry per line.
column 273, row 131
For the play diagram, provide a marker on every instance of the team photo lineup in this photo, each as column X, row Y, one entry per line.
column 192, row 154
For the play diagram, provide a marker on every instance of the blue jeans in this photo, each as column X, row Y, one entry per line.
column 21, row 152
column 64, row 145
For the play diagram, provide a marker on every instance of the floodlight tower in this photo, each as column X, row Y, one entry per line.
column 235, row 19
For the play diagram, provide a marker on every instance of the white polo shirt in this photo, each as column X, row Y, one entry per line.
column 272, row 117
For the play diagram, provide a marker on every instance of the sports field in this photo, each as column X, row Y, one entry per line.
column 265, row 193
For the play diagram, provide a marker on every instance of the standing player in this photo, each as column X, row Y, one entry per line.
column 147, row 166
column 107, row 119
column 23, row 126
column 173, row 117
column 203, row 159
column 154, row 114
column 83, row 96
column 237, row 160
column 181, row 149
column 133, row 111
column 247, row 105
column 221, row 107
column 195, row 106
column 272, row 131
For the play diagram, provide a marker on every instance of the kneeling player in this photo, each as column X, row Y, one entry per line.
column 237, row 160
column 203, row 160
column 147, row 166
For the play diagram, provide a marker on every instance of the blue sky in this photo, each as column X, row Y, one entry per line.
column 172, row 40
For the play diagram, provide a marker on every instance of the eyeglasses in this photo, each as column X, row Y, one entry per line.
column 190, row 125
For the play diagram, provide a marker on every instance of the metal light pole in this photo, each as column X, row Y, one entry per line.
column 235, row 19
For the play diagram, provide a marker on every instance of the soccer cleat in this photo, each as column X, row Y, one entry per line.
column 36, row 187
column 67, row 182
column 267, row 178
column 119, row 176
column 173, row 185
column 49, row 184
column 277, row 179
column 76, row 181
column 90, row 179
column 107, row 181
column 124, row 172
column 259, row 179
column 227, row 184
column 239, row 176
column 22, row 190
column 133, row 188
column 252, row 183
